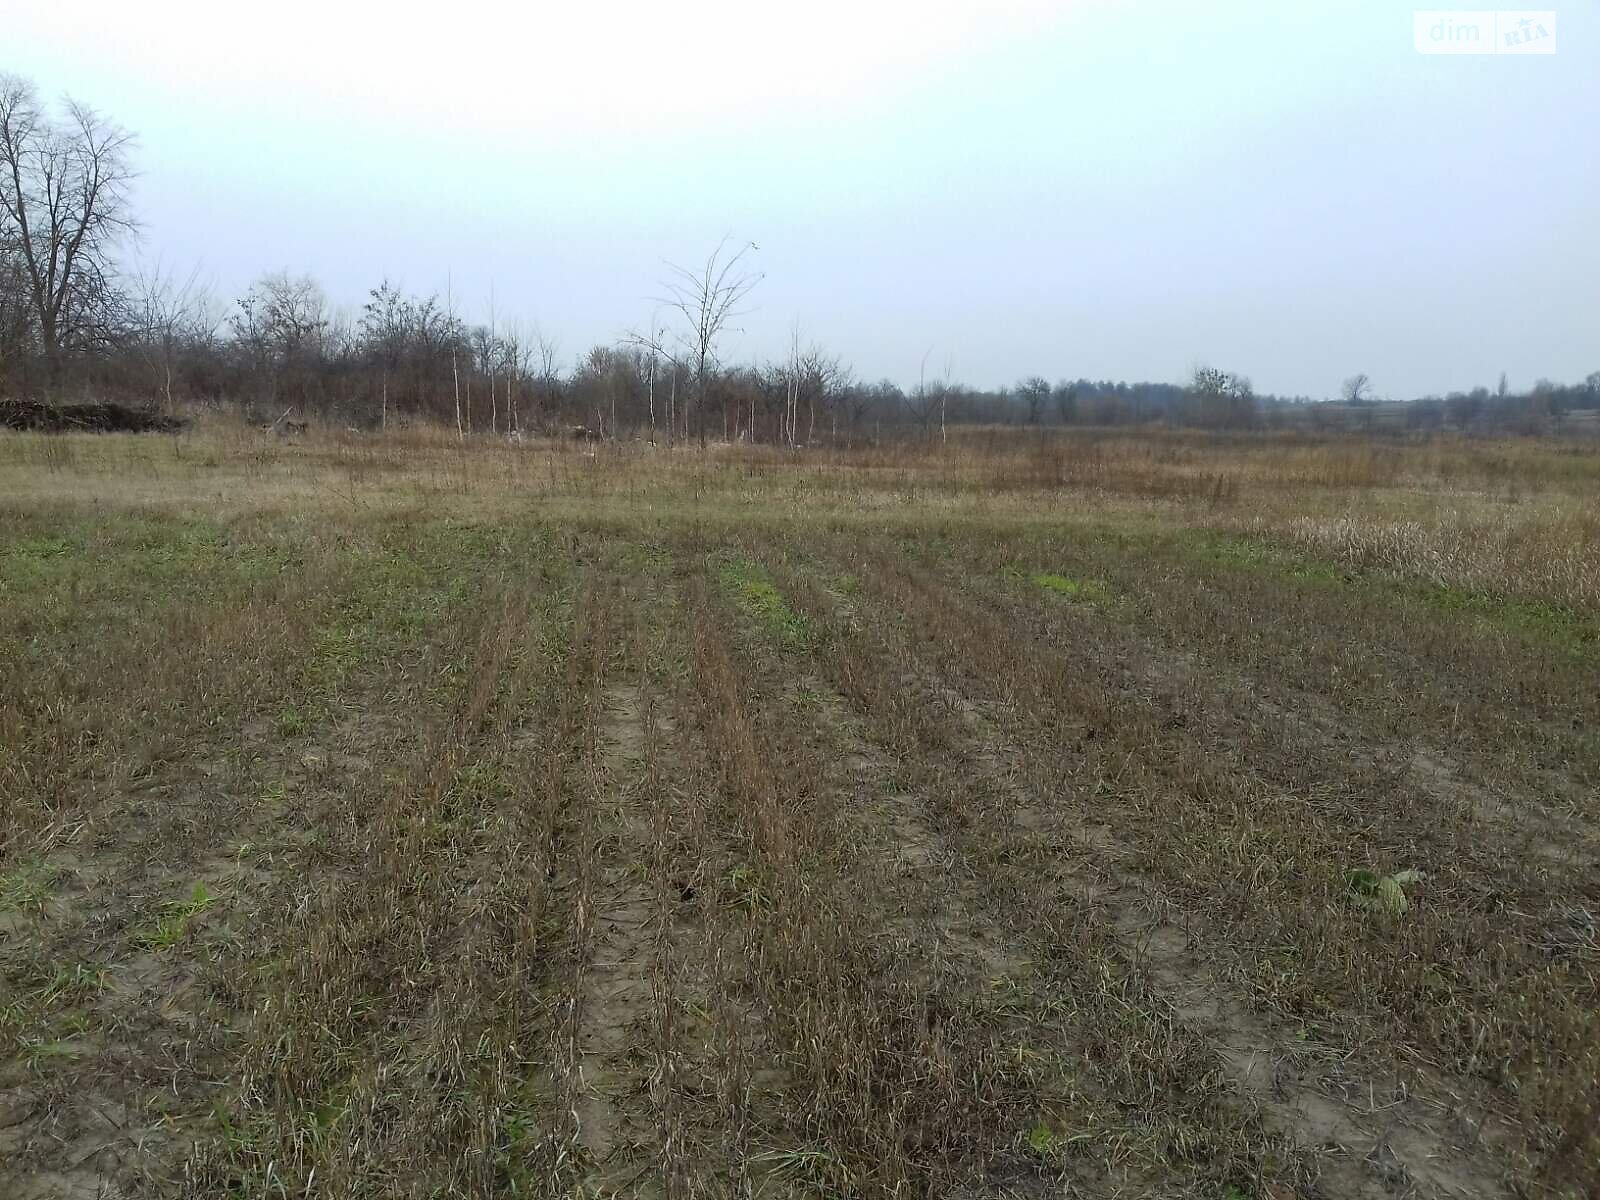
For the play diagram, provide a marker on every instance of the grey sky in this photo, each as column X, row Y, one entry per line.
column 1104, row 189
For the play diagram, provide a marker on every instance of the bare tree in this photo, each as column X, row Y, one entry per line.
column 16, row 316
column 289, row 311
column 655, row 346
column 170, row 314
column 921, row 404
column 945, row 390
column 455, row 341
column 1219, row 399
column 1357, row 389
column 546, row 351
column 946, row 395
column 792, row 386
column 518, row 354
column 1034, row 392
column 651, row 348
column 488, row 352
column 863, row 400
column 706, row 300
column 808, row 376
column 386, row 321
column 63, row 211
column 492, row 355
column 829, row 379
column 283, row 323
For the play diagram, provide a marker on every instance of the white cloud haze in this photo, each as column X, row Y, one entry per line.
column 1100, row 189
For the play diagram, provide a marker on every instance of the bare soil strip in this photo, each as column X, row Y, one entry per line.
column 1457, row 976
column 616, row 991
column 1263, row 1057
column 394, row 1006
column 151, row 885
column 895, row 1080
column 925, row 845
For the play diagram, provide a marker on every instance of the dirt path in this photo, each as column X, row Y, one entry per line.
column 613, row 1117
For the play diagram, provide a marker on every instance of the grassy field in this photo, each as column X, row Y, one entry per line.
column 1106, row 815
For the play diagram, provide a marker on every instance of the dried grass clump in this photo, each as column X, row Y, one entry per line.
column 1547, row 556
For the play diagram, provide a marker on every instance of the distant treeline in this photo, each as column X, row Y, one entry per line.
column 405, row 357
column 77, row 323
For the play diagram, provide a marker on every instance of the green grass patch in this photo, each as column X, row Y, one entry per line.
column 40, row 1053
column 36, row 561
column 43, row 1010
column 26, row 887
column 1071, row 589
column 477, row 788
column 172, row 926
column 1538, row 621
column 292, row 723
column 742, row 888
column 1551, row 623
column 1255, row 554
column 751, row 587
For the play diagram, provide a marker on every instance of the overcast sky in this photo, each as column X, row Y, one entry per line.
column 1285, row 189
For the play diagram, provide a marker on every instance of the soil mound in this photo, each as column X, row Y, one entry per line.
column 94, row 418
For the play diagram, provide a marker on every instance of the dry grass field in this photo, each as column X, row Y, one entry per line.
column 1126, row 815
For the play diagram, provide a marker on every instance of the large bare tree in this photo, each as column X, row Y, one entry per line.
column 1034, row 393
column 284, row 326
column 16, row 318
column 63, row 211
column 1357, row 389
column 705, row 301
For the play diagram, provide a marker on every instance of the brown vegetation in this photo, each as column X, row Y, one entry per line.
column 1180, row 815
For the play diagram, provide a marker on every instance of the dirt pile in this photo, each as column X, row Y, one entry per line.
column 93, row 418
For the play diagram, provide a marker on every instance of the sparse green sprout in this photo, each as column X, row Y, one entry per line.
column 292, row 723
column 78, row 980
column 176, row 915
column 1072, row 589
column 26, row 888
column 321, row 1120
column 39, row 1051
column 519, row 1132
column 822, row 1171
column 478, row 781
column 1050, row 1146
column 1380, row 893
column 742, row 888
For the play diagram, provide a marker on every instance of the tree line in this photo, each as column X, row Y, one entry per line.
column 76, row 319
